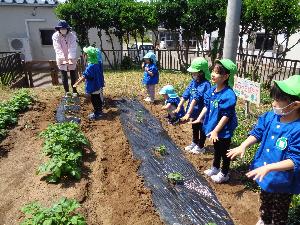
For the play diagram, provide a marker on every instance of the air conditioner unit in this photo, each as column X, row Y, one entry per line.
column 21, row 45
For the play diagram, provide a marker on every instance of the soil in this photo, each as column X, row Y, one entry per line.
column 110, row 191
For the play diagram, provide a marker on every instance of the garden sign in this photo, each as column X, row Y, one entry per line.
column 247, row 90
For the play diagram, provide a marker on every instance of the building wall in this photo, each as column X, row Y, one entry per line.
column 15, row 18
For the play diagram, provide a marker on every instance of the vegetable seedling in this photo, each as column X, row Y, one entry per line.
column 175, row 178
column 161, row 150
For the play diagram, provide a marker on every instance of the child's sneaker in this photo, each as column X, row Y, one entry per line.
column 190, row 147
column 148, row 99
column 197, row 150
column 212, row 171
column 260, row 222
column 94, row 116
column 220, row 178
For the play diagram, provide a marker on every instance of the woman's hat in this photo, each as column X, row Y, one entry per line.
column 92, row 54
column 231, row 66
column 290, row 86
column 62, row 24
column 168, row 90
column 200, row 64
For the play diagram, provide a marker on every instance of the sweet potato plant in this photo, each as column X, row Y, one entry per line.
column 175, row 178
column 61, row 213
column 161, row 150
column 9, row 110
column 63, row 144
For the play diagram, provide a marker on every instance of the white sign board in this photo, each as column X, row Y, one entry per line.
column 247, row 90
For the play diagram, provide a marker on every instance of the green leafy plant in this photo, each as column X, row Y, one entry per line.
column 63, row 144
column 161, row 150
column 9, row 110
column 294, row 212
column 61, row 213
column 175, row 178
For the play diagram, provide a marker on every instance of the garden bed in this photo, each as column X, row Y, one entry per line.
column 110, row 191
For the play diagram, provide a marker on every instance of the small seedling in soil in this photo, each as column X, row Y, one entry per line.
column 68, row 94
column 139, row 116
column 175, row 178
column 70, row 101
column 161, row 150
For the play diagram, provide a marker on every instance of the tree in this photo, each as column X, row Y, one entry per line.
column 75, row 12
column 275, row 17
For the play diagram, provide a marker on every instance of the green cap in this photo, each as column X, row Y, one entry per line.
column 200, row 64
column 231, row 66
column 290, row 86
column 92, row 54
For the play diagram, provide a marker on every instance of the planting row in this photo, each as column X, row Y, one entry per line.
column 9, row 110
column 63, row 145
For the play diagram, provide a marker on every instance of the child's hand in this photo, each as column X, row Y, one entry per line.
column 186, row 117
column 64, row 62
column 74, row 85
column 259, row 173
column 213, row 136
column 70, row 62
column 232, row 153
column 176, row 110
column 195, row 121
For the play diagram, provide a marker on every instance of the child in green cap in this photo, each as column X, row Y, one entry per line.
column 94, row 81
column 276, row 164
column 194, row 94
column 220, row 117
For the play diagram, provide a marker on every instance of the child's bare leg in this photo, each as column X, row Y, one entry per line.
column 151, row 91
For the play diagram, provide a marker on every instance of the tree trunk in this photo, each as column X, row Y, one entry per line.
column 113, row 48
column 101, row 46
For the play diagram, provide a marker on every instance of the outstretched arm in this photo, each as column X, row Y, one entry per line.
column 190, row 110
column 240, row 150
column 201, row 116
column 261, row 172
column 179, row 105
column 78, row 81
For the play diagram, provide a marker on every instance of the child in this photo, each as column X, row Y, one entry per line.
column 194, row 94
column 220, row 117
column 94, row 81
column 171, row 102
column 151, row 75
column 276, row 164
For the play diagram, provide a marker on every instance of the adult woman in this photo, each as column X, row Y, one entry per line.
column 65, row 46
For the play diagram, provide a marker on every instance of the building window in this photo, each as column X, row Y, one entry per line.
column 46, row 36
column 269, row 43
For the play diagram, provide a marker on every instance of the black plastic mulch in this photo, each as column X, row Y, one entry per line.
column 193, row 201
column 67, row 112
